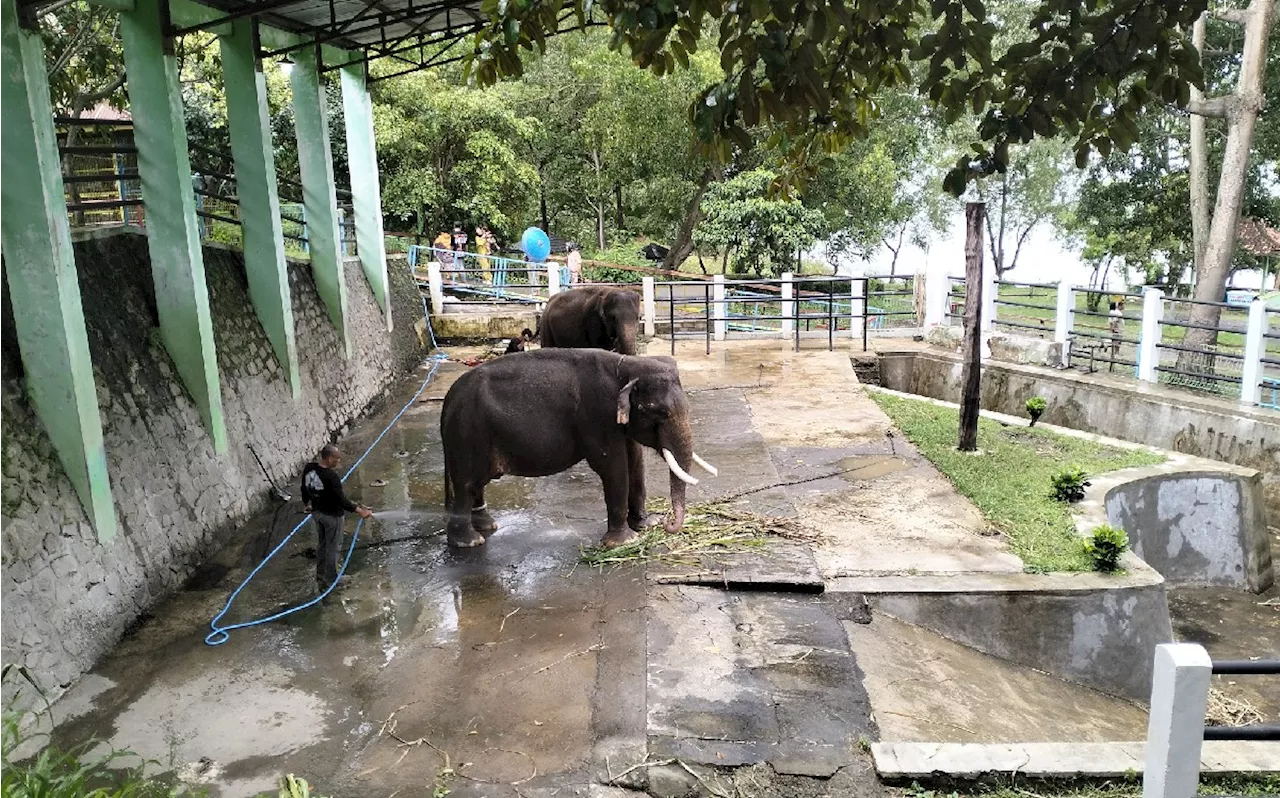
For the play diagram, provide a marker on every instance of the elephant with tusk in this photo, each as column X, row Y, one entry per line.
column 547, row 410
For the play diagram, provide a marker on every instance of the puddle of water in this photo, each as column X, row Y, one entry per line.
column 860, row 469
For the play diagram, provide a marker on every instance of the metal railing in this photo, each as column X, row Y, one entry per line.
column 491, row 278
column 1269, row 395
column 99, row 172
column 1215, row 368
column 1106, row 338
column 1026, row 308
column 1176, row 729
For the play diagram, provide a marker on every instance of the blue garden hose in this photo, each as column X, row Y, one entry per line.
column 221, row 634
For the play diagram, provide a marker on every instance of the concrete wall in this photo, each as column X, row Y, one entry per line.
column 67, row 598
column 1204, row 528
column 1176, row 420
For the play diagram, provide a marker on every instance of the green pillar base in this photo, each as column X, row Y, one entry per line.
column 41, row 270
column 250, row 123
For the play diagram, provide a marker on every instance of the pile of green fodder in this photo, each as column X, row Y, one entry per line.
column 710, row 528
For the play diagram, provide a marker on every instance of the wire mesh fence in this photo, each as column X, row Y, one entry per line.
column 1269, row 394
column 1204, row 357
column 893, row 302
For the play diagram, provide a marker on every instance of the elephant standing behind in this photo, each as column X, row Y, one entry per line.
column 545, row 411
column 591, row 317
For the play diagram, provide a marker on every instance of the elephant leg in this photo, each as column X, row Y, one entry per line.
column 481, row 521
column 459, row 531
column 613, row 475
column 637, row 515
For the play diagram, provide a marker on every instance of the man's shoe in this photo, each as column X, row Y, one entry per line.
column 322, row 585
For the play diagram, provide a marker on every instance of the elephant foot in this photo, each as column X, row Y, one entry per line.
column 639, row 522
column 465, row 538
column 617, row 538
column 482, row 522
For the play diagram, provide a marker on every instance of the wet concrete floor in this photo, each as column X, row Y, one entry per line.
column 507, row 670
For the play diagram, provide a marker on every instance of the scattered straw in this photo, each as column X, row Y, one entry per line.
column 712, row 528
column 1223, row 710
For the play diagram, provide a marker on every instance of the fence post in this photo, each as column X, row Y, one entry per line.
column 650, row 308
column 1063, row 318
column 553, row 278
column 718, row 313
column 1254, row 345
column 435, row 285
column 788, row 305
column 1149, row 337
column 1175, row 731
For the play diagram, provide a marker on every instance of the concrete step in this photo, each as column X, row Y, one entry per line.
column 904, row 761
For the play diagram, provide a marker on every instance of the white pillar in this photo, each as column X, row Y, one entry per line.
column 1063, row 319
column 788, row 305
column 1254, row 346
column 936, row 289
column 650, row 308
column 435, row 284
column 718, row 307
column 553, row 278
column 1149, row 338
column 1175, row 731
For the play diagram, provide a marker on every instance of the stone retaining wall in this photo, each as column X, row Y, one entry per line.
column 68, row 598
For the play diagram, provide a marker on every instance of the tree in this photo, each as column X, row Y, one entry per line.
column 83, row 51
column 453, row 155
column 1240, row 109
column 759, row 234
column 810, row 71
column 1036, row 189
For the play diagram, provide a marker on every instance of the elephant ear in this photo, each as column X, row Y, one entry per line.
column 624, row 402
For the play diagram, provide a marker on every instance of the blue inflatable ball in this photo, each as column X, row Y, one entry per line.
column 535, row 244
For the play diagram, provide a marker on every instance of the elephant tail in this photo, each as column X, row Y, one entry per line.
column 448, row 486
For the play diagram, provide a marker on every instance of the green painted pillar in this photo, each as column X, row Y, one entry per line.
column 41, row 270
column 250, row 123
column 164, row 166
column 319, row 194
column 366, row 194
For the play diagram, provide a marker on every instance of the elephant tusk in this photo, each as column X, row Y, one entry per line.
column 676, row 469
column 710, row 469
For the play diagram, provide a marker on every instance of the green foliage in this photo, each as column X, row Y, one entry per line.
column 75, row 772
column 1036, row 406
column 1006, row 479
column 764, row 233
column 1126, row 787
column 1068, row 484
column 1105, row 546
column 811, row 72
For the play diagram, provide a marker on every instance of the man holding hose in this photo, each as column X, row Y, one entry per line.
column 323, row 496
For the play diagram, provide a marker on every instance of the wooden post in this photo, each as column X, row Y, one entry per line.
column 971, row 382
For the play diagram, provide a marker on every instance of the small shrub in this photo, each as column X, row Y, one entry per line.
column 1105, row 546
column 1035, row 408
column 1068, row 485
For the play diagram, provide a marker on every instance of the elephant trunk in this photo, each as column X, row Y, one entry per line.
column 678, row 454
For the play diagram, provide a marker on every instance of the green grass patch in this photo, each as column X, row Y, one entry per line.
column 1008, row 479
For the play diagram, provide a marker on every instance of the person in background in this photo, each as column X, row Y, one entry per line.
column 324, row 498
column 442, row 250
column 484, row 245
column 574, row 262
column 459, row 247
column 1115, row 325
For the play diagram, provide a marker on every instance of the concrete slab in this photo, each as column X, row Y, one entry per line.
column 903, row 761
column 744, row 678
column 925, row 687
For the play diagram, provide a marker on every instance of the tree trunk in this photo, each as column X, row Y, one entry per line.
column 683, row 245
column 617, row 199
column 599, row 198
column 971, row 380
column 542, row 206
column 1241, row 110
column 1199, row 161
